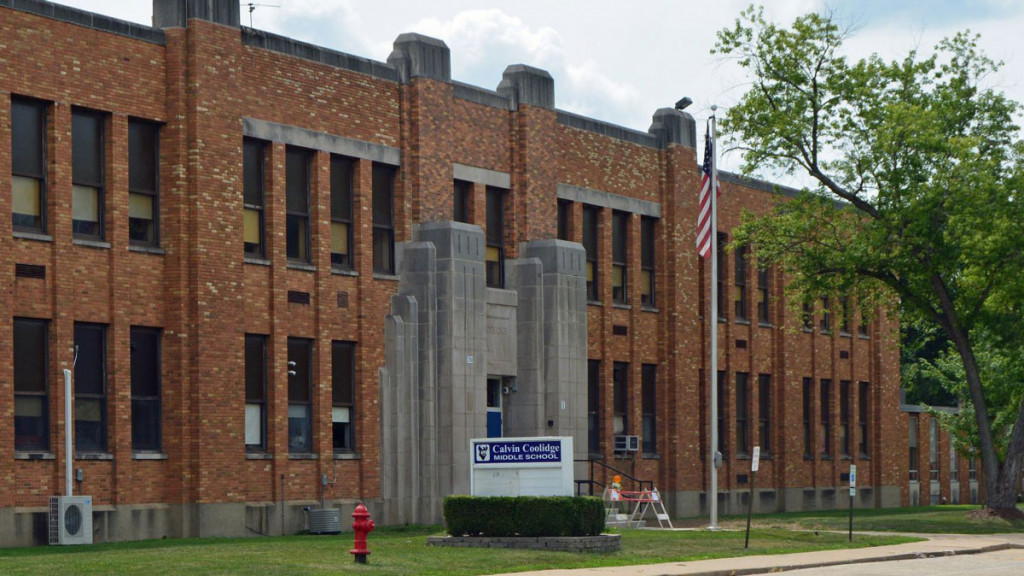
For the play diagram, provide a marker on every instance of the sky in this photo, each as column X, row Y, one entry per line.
column 616, row 61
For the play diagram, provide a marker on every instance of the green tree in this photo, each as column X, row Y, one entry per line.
column 919, row 177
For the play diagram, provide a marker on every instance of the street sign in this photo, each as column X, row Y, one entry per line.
column 756, row 460
column 853, row 476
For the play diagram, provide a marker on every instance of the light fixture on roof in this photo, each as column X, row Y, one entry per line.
column 683, row 103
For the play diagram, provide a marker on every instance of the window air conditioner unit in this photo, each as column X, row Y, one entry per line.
column 70, row 520
column 624, row 443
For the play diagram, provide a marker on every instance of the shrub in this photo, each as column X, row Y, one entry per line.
column 524, row 516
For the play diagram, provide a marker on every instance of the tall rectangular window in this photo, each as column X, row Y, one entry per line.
column 864, row 418
column 826, row 316
column 807, row 317
column 591, row 216
column 253, row 153
column 844, row 417
column 343, row 386
column 28, row 165
column 495, row 256
column 954, row 465
column 742, row 412
column 91, row 388
column 31, row 379
column 763, row 309
column 620, row 398
column 863, row 326
column 463, row 192
column 649, row 407
column 721, row 420
column 594, row 406
column 825, row 396
column 383, row 219
column 145, row 368
column 722, row 240
column 933, row 449
column 620, row 284
column 647, row 251
column 972, row 468
column 563, row 219
column 143, row 183
column 844, row 322
column 300, row 395
column 915, row 456
column 808, row 409
column 87, row 177
column 764, row 412
column 342, row 170
column 740, row 284
column 297, row 181
column 255, row 393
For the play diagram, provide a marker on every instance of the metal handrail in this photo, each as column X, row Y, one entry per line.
column 649, row 484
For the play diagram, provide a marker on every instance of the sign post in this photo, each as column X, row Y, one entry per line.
column 755, row 461
column 853, row 492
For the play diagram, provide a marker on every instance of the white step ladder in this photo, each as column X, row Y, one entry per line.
column 649, row 500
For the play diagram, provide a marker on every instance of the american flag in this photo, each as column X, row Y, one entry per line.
column 704, row 212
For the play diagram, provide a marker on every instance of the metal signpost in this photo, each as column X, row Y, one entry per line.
column 853, row 492
column 754, row 463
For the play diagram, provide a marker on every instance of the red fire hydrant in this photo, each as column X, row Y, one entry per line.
column 362, row 526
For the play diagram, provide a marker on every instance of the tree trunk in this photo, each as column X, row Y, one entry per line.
column 1004, row 488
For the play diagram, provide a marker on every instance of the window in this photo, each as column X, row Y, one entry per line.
column 590, row 223
column 844, row 418
column 343, row 386
column 91, row 388
column 741, row 282
column 341, row 212
column 933, row 449
column 383, row 219
column 864, row 326
column 253, row 152
column 28, row 165
column 300, row 386
column 954, row 466
column 826, row 318
column 620, row 285
column 594, row 406
column 807, row 317
column 826, row 417
column 742, row 403
column 297, row 161
column 255, row 393
column 915, row 457
column 763, row 310
column 863, row 418
column 31, row 375
column 720, row 257
column 764, row 412
column 495, row 256
column 145, row 368
column 648, row 407
column 972, row 468
column 87, row 179
column 844, row 322
column 463, row 192
column 808, row 405
column 563, row 219
column 720, row 399
column 620, row 398
column 647, row 262
column 143, row 183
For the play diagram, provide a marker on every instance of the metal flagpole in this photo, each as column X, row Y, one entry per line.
column 713, row 452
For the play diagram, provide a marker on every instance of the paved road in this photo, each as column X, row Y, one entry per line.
column 1001, row 563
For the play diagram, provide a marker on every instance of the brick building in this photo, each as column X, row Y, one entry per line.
column 278, row 264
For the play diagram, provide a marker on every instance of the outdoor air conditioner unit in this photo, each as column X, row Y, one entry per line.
column 70, row 520
column 627, row 443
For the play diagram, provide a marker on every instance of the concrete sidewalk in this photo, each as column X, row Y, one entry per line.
column 936, row 545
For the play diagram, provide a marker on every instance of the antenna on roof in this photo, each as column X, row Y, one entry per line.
column 253, row 6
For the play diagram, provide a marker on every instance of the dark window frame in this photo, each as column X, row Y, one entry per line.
column 933, row 449
column 591, row 245
column 825, row 417
column 764, row 413
column 722, row 240
column 100, row 440
column 80, row 170
column 383, row 192
column 564, row 208
column 620, row 398
column 462, row 191
column 494, row 257
column 649, row 407
column 844, row 321
column 864, row 418
column 913, row 429
column 256, row 371
column 343, row 439
column 139, row 185
column 148, row 402
column 343, row 170
column 22, row 163
column 254, row 150
column 723, row 445
column 300, row 395
column 844, row 419
column 648, row 253
column 594, row 406
column 808, row 417
column 826, row 316
column 742, row 414
column 620, row 257
column 298, row 192
column 741, row 300
column 38, row 392
column 764, row 315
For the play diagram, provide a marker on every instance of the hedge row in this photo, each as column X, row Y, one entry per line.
column 498, row 516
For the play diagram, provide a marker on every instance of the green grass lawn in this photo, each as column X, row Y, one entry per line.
column 922, row 520
column 397, row 551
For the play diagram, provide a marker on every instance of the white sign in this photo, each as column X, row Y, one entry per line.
column 853, row 476
column 756, row 460
column 853, row 492
column 540, row 466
